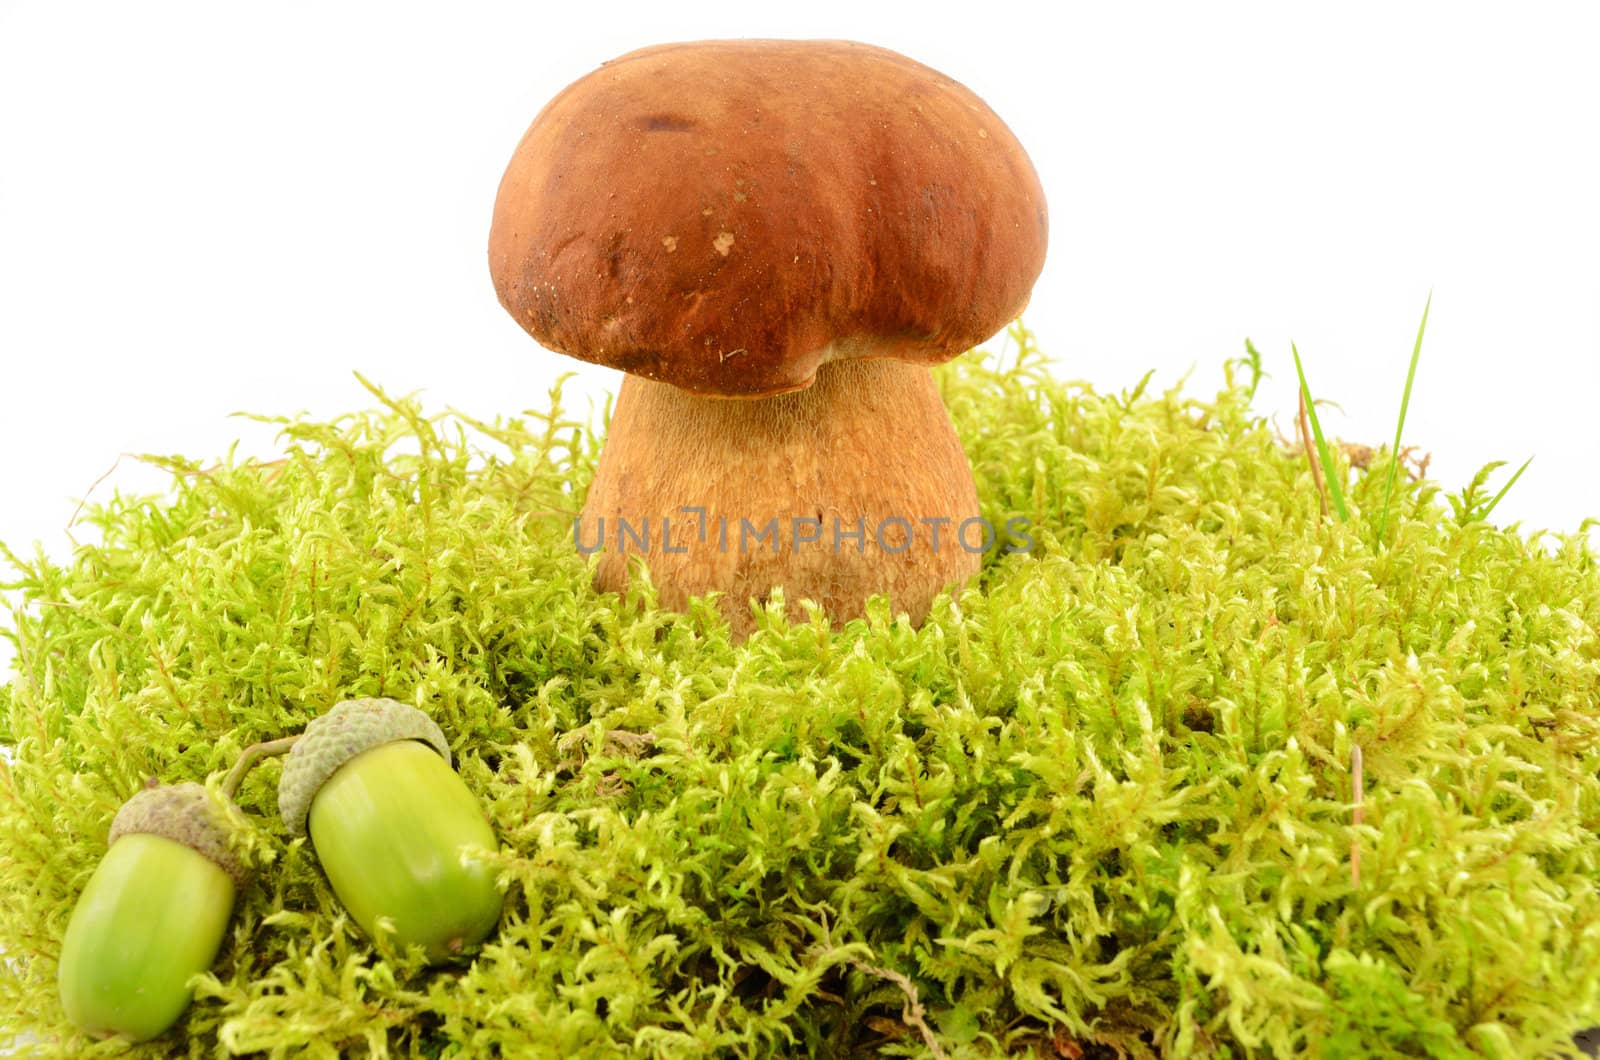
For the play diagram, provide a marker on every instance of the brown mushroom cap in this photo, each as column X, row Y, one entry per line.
column 725, row 216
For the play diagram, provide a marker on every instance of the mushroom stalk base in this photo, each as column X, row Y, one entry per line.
column 854, row 486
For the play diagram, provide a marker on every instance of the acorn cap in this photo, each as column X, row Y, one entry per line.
column 726, row 216
column 350, row 728
column 183, row 813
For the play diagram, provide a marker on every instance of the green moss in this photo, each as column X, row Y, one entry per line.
column 1104, row 803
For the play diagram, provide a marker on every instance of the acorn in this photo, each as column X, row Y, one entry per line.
column 152, row 916
column 390, row 821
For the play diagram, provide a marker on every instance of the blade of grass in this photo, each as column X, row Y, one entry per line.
column 1405, row 403
column 1506, row 488
column 1303, row 428
column 1332, row 472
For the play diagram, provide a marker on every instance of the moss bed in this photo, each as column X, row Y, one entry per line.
column 1101, row 804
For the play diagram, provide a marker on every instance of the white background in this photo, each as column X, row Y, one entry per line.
column 212, row 208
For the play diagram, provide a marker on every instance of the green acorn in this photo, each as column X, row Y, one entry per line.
column 390, row 821
column 152, row 915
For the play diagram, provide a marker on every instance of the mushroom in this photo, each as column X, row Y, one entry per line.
column 774, row 240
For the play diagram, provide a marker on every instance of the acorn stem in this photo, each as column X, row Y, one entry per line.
column 250, row 756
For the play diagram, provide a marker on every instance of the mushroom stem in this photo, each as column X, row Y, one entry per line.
column 854, row 486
